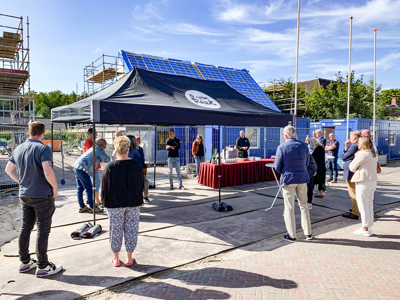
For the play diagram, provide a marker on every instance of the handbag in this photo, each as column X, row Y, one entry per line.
column 378, row 168
column 144, row 169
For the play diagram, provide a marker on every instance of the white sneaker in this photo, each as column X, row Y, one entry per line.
column 309, row 205
column 363, row 232
column 358, row 230
column 50, row 269
column 28, row 266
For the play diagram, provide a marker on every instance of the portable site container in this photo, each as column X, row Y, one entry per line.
column 387, row 133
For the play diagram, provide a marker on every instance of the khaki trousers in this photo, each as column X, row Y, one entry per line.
column 351, row 187
column 289, row 192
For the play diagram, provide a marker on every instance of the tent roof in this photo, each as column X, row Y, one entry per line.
column 145, row 97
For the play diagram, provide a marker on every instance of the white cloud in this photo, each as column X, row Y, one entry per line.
column 147, row 12
column 374, row 11
column 187, row 29
column 365, row 67
column 179, row 29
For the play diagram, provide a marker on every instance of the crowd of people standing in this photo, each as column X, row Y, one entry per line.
column 302, row 170
column 124, row 187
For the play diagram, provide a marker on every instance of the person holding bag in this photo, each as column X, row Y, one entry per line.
column 365, row 176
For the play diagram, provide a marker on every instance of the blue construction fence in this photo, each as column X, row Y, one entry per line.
column 387, row 133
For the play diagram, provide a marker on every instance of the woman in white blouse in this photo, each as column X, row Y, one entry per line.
column 365, row 176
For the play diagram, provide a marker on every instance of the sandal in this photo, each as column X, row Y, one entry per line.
column 116, row 264
column 130, row 264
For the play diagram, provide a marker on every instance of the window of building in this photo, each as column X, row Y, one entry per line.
column 253, row 134
column 392, row 138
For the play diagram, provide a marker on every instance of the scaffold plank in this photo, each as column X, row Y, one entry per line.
column 103, row 75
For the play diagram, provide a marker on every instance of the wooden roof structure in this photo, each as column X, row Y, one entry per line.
column 103, row 75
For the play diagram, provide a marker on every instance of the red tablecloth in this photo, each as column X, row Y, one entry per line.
column 243, row 172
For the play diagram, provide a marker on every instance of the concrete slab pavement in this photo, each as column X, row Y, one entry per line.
column 335, row 265
column 184, row 228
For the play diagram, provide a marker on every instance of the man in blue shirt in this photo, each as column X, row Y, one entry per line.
column 31, row 166
column 333, row 150
column 292, row 160
column 83, row 169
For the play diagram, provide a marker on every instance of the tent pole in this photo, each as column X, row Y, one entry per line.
column 51, row 133
column 94, row 173
column 224, row 137
column 155, row 154
column 219, row 165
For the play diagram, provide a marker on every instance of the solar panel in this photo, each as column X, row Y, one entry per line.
column 159, row 64
column 240, row 80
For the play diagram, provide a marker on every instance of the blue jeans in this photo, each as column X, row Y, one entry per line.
column 173, row 162
column 199, row 160
column 84, row 183
column 332, row 164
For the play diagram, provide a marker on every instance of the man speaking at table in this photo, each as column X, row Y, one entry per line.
column 292, row 159
column 243, row 144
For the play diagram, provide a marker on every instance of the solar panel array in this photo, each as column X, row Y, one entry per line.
column 240, row 80
column 161, row 65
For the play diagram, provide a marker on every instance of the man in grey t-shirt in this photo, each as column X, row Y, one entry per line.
column 31, row 166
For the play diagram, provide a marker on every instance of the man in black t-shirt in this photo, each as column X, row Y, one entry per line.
column 173, row 145
column 243, row 144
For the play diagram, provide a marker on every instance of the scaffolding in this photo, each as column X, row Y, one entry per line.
column 16, row 99
column 102, row 72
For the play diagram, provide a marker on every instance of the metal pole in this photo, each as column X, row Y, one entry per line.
column 51, row 145
column 94, row 173
column 224, row 137
column 297, row 64
column 265, row 142
column 29, row 70
column 155, row 154
column 219, row 165
column 349, row 80
column 374, row 115
column 187, row 149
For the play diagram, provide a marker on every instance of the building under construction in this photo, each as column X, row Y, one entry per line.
column 16, row 99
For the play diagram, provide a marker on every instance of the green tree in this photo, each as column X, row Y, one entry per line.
column 331, row 103
column 44, row 102
column 383, row 101
column 282, row 93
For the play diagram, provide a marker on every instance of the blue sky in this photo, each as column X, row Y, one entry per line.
column 259, row 36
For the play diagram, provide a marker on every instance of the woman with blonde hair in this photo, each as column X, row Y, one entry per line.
column 366, row 177
column 122, row 194
column 198, row 152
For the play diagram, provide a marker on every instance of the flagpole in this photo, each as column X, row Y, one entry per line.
column 297, row 65
column 374, row 117
column 349, row 80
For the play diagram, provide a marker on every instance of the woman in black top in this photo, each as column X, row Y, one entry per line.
column 122, row 194
column 319, row 157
